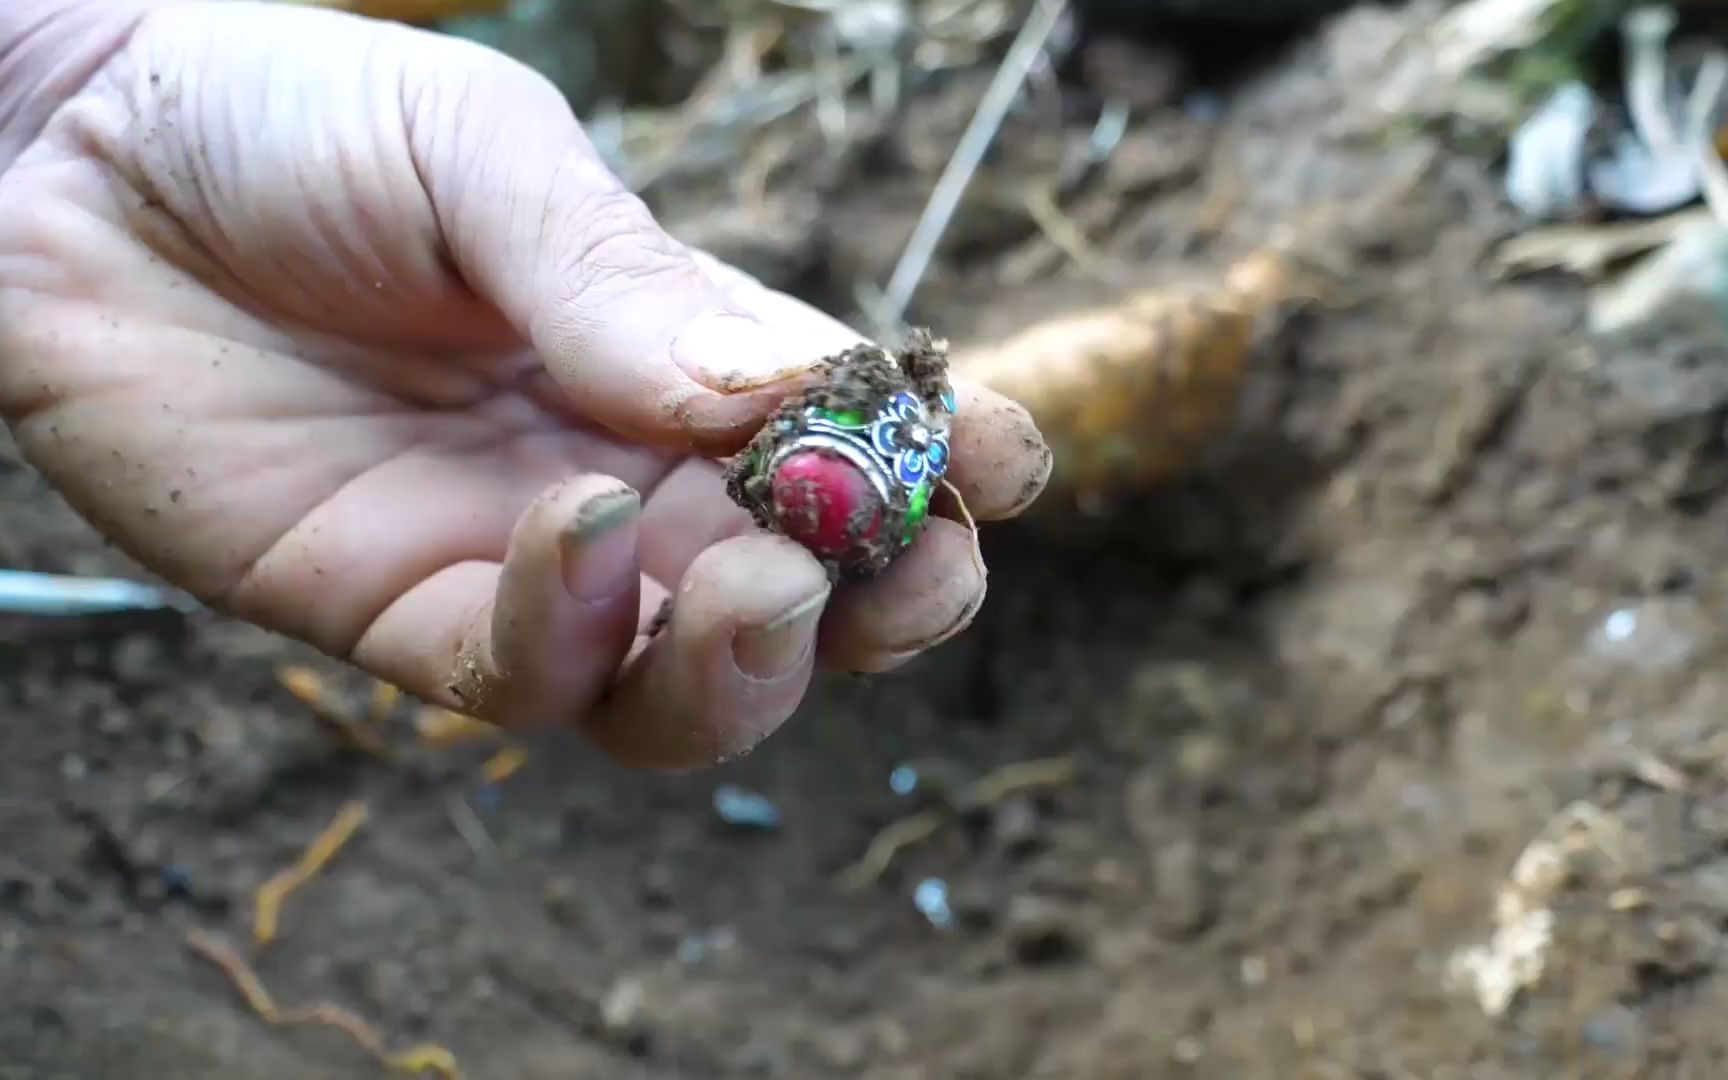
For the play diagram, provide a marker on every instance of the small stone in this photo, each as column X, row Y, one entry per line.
column 843, row 1048
column 1179, row 880
column 1188, row 1051
column 1014, row 826
column 1616, row 1030
column 1041, row 932
column 623, row 1004
column 1254, row 971
column 656, row 886
column 1202, row 757
column 138, row 660
column 563, row 899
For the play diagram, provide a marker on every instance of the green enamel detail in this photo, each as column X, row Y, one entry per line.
column 843, row 417
column 915, row 512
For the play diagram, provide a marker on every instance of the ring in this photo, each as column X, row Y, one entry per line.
column 855, row 487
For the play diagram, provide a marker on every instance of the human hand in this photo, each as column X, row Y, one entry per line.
column 344, row 328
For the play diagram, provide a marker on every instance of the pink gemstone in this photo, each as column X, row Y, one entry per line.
column 825, row 503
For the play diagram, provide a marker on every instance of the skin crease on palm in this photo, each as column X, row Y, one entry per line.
column 344, row 327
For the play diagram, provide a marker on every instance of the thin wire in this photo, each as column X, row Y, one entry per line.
column 969, row 152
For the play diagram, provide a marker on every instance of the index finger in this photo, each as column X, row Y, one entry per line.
column 1000, row 461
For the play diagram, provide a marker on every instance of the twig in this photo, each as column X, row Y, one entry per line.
column 1658, row 773
column 426, row 1057
column 268, row 902
column 470, row 828
column 504, row 764
column 968, row 154
column 384, row 698
column 1015, row 778
column 441, row 727
column 308, row 686
column 740, row 63
column 1061, row 230
column 1589, row 250
column 885, row 845
column 916, row 828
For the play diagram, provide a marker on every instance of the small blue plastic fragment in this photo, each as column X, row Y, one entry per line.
column 736, row 806
column 23, row 592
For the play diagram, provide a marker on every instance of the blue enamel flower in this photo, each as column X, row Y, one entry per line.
column 903, row 435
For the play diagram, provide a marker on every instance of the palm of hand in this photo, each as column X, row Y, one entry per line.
column 313, row 349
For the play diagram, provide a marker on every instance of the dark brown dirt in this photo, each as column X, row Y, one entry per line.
column 1432, row 645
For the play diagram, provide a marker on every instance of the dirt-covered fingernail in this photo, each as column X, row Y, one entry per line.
column 733, row 353
column 775, row 650
column 898, row 656
column 1036, row 481
column 598, row 555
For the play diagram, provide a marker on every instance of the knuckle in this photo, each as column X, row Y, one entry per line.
column 607, row 240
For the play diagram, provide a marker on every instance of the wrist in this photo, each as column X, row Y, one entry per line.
column 48, row 50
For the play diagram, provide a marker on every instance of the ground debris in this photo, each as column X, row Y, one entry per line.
column 986, row 791
column 1590, row 250
column 1487, row 406
column 1516, row 956
column 384, row 698
column 310, row 688
column 268, row 905
column 504, row 764
column 745, row 809
column 416, row 1060
column 1487, row 55
column 438, row 726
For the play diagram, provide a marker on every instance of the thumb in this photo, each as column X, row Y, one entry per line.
column 623, row 316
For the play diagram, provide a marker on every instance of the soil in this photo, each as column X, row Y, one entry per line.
column 1396, row 730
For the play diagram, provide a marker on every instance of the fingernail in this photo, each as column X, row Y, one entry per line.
column 1035, row 484
column 599, row 547
column 733, row 353
column 899, row 657
column 776, row 649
